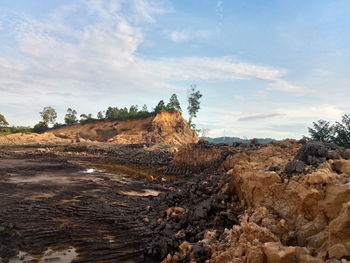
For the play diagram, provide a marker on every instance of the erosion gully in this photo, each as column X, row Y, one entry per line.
column 58, row 208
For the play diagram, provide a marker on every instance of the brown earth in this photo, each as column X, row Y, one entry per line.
column 282, row 202
column 296, row 199
column 163, row 128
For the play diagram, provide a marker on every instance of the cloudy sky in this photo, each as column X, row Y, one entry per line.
column 265, row 68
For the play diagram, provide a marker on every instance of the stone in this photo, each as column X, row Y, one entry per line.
column 346, row 154
column 295, row 167
column 337, row 251
column 276, row 253
column 342, row 166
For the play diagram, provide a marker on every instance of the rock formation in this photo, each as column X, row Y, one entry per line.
column 293, row 215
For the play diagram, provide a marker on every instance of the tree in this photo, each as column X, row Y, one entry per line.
column 160, row 107
column 322, row 131
column 85, row 118
column 144, row 108
column 205, row 132
column 48, row 115
column 193, row 103
column 342, row 131
column 71, row 117
column 100, row 115
column 3, row 122
column 174, row 104
column 40, row 127
column 133, row 110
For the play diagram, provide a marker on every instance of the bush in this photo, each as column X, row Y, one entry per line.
column 40, row 127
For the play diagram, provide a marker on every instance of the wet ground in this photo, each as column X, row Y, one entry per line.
column 63, row 207
column 62, row 211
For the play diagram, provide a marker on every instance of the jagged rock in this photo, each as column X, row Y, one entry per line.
column 175, row 211
column 346, row 154
column 295, row 167
column 339, row 233
column 305, row 211
column 276, row 253
column 342, row 166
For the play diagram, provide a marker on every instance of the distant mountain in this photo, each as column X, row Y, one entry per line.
column 230, row 140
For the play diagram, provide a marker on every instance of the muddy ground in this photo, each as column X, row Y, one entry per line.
column 80, row 205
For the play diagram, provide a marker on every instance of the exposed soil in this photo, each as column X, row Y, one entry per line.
column 162, row 128
column 282, row 202
column 59, row 205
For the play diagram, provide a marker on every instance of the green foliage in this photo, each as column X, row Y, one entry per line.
column 339, row 133
column 133, row 111
column 86, row 118
column 3, row 122
column 322, row 131
column 174, row 104
column 71, row 117
column 114, row 113
column 144, row 108
column 100, row 115
column 194, row 127
column 58, row 125
column 342, row 131
column 40, row 127
column 193, row 103
column 160, row 107
column 48, row 115
column 11, row 130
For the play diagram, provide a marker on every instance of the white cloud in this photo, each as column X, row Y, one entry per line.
column 96, row 57
column 179, row 36
column 324, row 111
column 185, row 35
column 281, row 85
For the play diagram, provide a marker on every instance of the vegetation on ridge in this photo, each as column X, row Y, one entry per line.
column 338, row 133
column 49, row 114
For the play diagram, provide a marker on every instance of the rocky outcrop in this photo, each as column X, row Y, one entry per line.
column 297, row 212
column 163, row 128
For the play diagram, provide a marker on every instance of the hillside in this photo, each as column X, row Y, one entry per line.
column 163, row 128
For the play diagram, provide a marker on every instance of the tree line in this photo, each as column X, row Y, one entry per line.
column 338, row 133
column 49, row 115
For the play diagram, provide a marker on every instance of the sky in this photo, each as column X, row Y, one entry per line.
column 265, row 68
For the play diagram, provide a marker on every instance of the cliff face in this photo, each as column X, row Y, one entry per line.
column 163, row 128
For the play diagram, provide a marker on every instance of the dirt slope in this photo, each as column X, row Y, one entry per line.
column 163, row 128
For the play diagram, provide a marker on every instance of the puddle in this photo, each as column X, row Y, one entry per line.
column 63, row 256
column 50, row 178
column 145, row 192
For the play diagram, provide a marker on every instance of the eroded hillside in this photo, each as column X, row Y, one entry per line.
column 163, row 128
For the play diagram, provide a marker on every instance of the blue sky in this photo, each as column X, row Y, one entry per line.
column 265, row 68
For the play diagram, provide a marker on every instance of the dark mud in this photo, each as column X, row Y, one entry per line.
column 81, row 202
